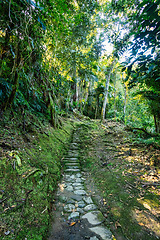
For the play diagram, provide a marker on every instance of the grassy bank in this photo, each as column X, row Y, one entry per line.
column 126, row 178
column 30, row 158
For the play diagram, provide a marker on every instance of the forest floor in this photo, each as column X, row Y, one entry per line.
column 126, row 173
column 30, row 161
column 122, row 172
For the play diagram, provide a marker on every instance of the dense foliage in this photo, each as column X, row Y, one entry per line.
column 64, row 56
column 53, row 57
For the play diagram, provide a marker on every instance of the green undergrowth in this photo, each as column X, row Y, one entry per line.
column 123, row 200
column 30, row 155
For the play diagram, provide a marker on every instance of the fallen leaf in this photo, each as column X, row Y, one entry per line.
column 72, row 224
column 141, row 224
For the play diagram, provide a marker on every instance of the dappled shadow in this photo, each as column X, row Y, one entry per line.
column 128, row 181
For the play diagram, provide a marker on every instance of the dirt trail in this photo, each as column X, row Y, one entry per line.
column 76, row 216
column 120, row 170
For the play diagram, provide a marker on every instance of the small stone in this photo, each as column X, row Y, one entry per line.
column 93, row 217
column 7, row 232
column 90, row 207
column 72, row 177
column 74, row 215
column 79, row 180
column 81, row 204
column 69, row 207
column 103, row 232
column 80, row 192
column 88, row 200
column 78, row 175
column 77, row 197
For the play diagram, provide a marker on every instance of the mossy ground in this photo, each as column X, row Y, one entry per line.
column 126, row 179
column 30, row 157
column 124, row 172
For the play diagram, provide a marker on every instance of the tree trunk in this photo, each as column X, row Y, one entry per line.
column 105, row 99
column 157, row 123
column 125, row 100
column 54, row 117
column 103, row 112
column 74, row 85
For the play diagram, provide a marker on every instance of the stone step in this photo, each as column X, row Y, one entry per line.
column 72, row 170
column 73, row 148
column 72, row 164
column 72, row 167
column 71, row 158
column 76, row 203
column 72, row 155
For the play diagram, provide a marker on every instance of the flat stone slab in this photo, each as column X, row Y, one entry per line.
column 77, row 197
column 71, row 159
column 93, row 217
column 90, row 207
column 103, row 232
column 74, row 148
column 80, row 192
column 72, row 164
column 88, row 200
column 72, row 167
column 74, row 144
column 72, row 170
column 72, row 154
column 72, row 176
column 69, row 188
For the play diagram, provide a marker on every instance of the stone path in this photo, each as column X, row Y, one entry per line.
column 76, row 216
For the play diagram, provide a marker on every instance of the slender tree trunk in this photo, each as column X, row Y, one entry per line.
column 105, row 99
column 90, row 97
column 103, row 112
column 74, row 85
column 77, row 93
column 157, row 123
column 125, row 101
column 97, row 108
column 115, row 99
